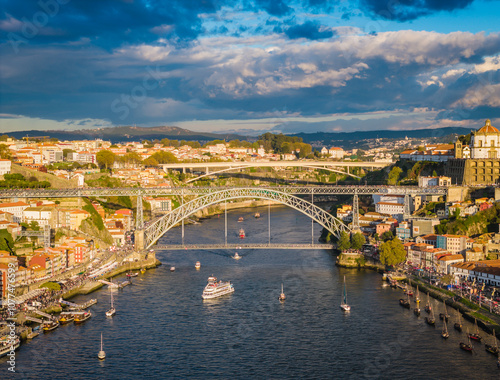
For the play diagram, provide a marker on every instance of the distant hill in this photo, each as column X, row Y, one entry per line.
column 129, row 133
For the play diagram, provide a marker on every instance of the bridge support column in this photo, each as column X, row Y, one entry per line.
column 139, row 240
column 207, row 171
column 139, row 216
column 46, row 236
column 406, row 211
column 355, row 212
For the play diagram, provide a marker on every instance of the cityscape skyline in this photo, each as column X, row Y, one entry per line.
column 249, row 67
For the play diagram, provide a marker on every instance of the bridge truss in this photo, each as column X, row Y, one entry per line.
column 153, row 232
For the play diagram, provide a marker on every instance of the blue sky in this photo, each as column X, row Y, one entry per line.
column 249, row 65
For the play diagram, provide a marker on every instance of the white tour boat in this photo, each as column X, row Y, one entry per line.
column 7, row 344
column 216, row 289
column 236, row 256
column 197, row 265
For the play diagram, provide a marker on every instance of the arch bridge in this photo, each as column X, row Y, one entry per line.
column 149, row 236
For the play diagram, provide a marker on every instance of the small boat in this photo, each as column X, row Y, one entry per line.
column 458, row 325
column 344, row 306
column 444, row 316
column 475, row 336
column 416, row 311
column 101, row 355
column 82, row 317
column 445, row 334
column 35, row 331
column 257, row 215
column 404, row 303
column 408, row 291
column 143, row 270
column 216, row 289
column 8, row 343
column 242, row 233
column 466, row 346
column 417, row 296
column 492, row 348
column 49, row 325
column 172, row 269
column 197, row 265
column 240, row 219
column 65, row 318
column 428, row 307
column 236, row 256
column 112, row 310
column 430, row 320
column 282, row 296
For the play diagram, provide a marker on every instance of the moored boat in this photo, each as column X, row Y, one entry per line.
column 444, row 316
column 112, row 310
column 417, row 296
column 50, row 325
column 197, row 265
column 428, row 307
column 216, row 289
column 475, row 335
column 416, row 311
column 430, row 320
column 282, row 296
column 236, row 256
column 82, row 317
column 492, row 348
column 404, row 303
column 35, row 331
column 7, row 344
column 445, row 334
column 240, row 219
column 257, row 215
column 466, row 346
column 458, row 325
column 66, row 317
column 344, row 305
column 143, row 270
column 172, row 269
column 242, row 233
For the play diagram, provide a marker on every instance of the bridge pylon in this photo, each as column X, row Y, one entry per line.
column 139, row 240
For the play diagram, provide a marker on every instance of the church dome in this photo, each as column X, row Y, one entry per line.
column 488, row 128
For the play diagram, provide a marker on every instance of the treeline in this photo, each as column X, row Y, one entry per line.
column 282, row 144
column 17, row 181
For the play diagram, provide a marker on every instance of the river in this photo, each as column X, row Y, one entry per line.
column 164, row 330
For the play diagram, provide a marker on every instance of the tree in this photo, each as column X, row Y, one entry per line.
column 434, row 174
column 394, row 175
column 105, row 158
column 387, row 235
column 6, row 240
column 66, row 152
column 392, row 252
column 5, row 152
column 344, row 242
column 357, row 241
column 165, row 142
column 150, row 161
column 164, row 157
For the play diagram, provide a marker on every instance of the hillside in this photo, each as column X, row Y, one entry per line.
column 56, row 182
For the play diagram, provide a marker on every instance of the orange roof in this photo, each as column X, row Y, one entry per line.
column 13, row 204
column 488, row 128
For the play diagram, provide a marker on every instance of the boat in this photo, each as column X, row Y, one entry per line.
column 466, row 346
column 257, row 215
column 282, row 296
column 445, row 334
column 143, row 270
column 172, row 269
column 236, row 256
column 50, row 325
column 430, row 320
column 344, row 305
column 197, row 265
column 240, row 219
column 492, row 348
column 82, row 317
column 101, row 355
column 444, row 316
column 216, row 289
column 65, row 318
column 417, row 296
column 428, row 307
column 458, row 325
column 408, row 291
column 404, row 303
column 475, row 336
column 7, row 344
column 416, row 311
column 242, row 233
column 112, row 310
column 133, row 274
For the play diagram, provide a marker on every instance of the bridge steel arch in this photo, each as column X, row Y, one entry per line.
column 156, row 230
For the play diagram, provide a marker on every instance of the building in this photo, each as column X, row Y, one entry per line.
column 434, row 181
column 483, row 166
column 41, row 215
column 5, row 166
column 16, row 209
column 445, row 261
column 487, row 271
column 336, row 153
column 452, row 243
column 394, row 209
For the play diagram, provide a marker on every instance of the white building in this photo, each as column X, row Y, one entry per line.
column 5, row 166
column 42, row 215
column 485, row 143
column 396, row 210
column 434, row 181
column 16, row 209
column 335, row 152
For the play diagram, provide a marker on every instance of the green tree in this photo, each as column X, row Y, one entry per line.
column 5, row 152
column 164, row 157
column 387, row 235
column 150, row 161
column 66, row 152
column 6, row 240
column 105, row 158
column 392, row 252
column 357, row 241
column 165, row 142
column 344, row 242
column 394, row 175
column 434, row 174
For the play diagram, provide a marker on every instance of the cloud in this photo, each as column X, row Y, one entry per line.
column 310, row 30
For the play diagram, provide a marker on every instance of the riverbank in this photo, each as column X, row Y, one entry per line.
column 486, row 320
column 358, row 260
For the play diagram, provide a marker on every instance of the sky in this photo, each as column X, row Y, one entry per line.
column 249, row 66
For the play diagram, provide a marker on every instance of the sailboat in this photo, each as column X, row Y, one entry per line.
column 416, row 311
column 458, row 325
column 282, row 296
column 444, row 316
column 112, row 310
column 475, row 336
column 405, row 302
column 101, row 355
column 445, row 334
column 430, row 320
column 493, row 349
column 344, row 306
column 428, row 307
column 466, row 346
column 417, row 296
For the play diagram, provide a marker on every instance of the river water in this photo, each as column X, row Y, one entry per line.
column 164, row 330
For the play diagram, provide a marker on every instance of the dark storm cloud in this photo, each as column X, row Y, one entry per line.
column 310, row 30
